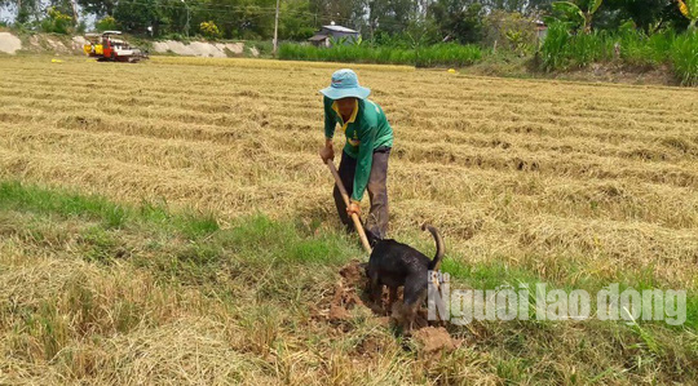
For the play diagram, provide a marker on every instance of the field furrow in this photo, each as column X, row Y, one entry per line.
column 525, row 171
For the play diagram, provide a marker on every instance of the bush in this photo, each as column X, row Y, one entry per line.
column 585, row 49
column 263, row 47
column 431, row 56
column 210, row 30
column 448, row 55
column 562, row 50
column 684, row 58
column 57, row 22
column 108, row 23
column 511, row 31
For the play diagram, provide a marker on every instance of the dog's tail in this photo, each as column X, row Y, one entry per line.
column 440, row 250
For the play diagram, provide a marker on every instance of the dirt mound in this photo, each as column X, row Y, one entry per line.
column 354, row 273
column 45, row 43
column 9, row 43
column 353, row 284
column 349, row 294
column 433, row 340
column 204, row 49
column 42, row 43
column 77, row 43
column 347, row 291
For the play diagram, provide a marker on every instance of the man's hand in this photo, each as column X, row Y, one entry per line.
column 327, row 152
column 354, row 207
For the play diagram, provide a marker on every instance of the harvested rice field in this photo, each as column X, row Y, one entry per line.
column 157, row 218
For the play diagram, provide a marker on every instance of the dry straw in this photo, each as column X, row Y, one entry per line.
column 538, row 176
column 494, row 162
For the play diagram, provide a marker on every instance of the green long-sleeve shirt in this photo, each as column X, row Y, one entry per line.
column 366, row 130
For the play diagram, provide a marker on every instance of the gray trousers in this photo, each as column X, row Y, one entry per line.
column 377, row 221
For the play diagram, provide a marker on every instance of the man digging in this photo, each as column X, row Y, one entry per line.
column 364, row 163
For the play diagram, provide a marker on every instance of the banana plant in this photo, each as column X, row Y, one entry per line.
column 576, row 15
column 357, row 41
column 517, row 42
column 340, row 41
column 689, row 8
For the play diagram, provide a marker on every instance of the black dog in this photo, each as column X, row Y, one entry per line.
column 394, row 264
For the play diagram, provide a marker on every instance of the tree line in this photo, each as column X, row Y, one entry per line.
column 380, row 21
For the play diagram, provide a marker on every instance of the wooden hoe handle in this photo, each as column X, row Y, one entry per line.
column 354, row 216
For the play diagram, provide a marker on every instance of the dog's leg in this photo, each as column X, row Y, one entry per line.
column 414, row 294
column 391, row 299
column 376, row 293
column 393, row 296
column 409, row 313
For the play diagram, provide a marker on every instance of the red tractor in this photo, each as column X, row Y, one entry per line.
column 105, row 47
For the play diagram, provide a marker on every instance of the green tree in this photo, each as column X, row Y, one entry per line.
column 509, row 30
column 99, row 8
column 458, row 20
column 65, row 7
column 573, row 13
column 57, row 22
column 296, row 22
column 339, row 11
column 390, row 16
column 25, row 10
column 106, row 23
column 507, row 5
column 138, row 16
column 648, row 15
column 225, row 13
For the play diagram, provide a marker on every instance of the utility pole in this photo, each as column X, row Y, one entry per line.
column 276, row 29
column 186, row 26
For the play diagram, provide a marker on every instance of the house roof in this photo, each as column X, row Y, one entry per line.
column 339, row 28
column 318, row 37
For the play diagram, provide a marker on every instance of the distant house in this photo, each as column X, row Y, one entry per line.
column 323, row 37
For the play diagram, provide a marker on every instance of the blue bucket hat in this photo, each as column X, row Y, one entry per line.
column 345, row 84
